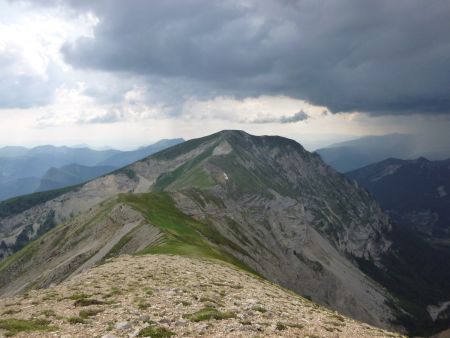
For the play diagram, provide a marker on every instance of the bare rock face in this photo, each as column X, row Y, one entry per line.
column 299, row 232
column 77, row 245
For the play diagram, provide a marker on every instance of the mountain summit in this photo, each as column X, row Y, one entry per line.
column 261, row 203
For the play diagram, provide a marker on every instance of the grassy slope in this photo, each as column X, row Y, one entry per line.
column 184, row 235
column 188, row 174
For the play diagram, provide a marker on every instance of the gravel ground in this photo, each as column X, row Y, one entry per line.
column 164, row 295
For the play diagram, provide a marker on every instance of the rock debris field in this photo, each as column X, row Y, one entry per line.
column 165, row 296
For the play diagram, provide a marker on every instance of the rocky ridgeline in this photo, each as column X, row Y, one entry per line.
column 163, row 296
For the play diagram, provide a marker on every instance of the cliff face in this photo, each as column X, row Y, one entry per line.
column 298, row 222
column 416, row 193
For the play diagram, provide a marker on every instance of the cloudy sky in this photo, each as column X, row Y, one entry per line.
column 126, row 73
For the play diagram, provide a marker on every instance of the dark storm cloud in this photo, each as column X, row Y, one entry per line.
column 382, row 57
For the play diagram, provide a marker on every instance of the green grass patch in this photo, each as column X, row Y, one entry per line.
column 149, row 291
column 142, row 304
column 77, row 296
column 14, row 326
column 280, row 326
column 89, row 313
column 187, row 175
column 184, row 235
column 115, row 291
column 87, row 302
column 76, row 320
column 208, row 313
column 197, row 178
column 48, row 313
column 259, row 309
column 155, row 332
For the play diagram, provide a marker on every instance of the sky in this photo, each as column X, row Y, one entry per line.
column 122, row 74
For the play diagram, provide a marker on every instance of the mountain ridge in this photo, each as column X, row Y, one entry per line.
column 261, row 201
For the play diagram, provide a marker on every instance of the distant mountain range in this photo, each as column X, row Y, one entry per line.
column 124, row 158
column 72, row 174
column 416, row 193
column 354, row 154
column 260, row 203
column 24, row 170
